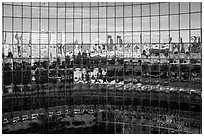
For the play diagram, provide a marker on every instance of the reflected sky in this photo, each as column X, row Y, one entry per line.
column 104, row 18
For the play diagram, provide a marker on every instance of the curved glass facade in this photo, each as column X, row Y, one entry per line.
column 102, row 67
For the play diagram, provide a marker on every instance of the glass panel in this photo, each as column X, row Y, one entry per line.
column 196, row 20
column 164, row 22
column 184, row 20
column 145, row 24
column 44, row 12
column 17, row 11
column 174, row 8
column 184, row 7
column 136, row 24
column 155, row 9
column 164, row 8
column 136, row 10
column 7, row 10
column 174, row 22
column 154, row 23
column 145, row 10
column 195, row 6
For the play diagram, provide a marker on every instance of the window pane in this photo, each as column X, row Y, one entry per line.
column 77, row 12
column 196, row 20
column 53, row 12
column 195, row 6
column 174, row 22
column 17, row 11
column 26, row 11
column 128, row 11
column 69, row 25
column 61, row 25
column 164, row 8
column 128, row 24
column 36, row 12
column 136, row 10
column 119, row 11
column 119, row 24
column 184, row 7
column 7, row 24
column 184, row 20
column 27, row 25
column 164, row 22
column 86, row 25
column 110, row 11
column 174, row 8
column 155, row 9
column 110, row 24
column 145, row 24
column 52, row 25
column 94, row 25
column 137, row 24
column 145, row 10
column 102, row 25
column 69, row 12
column 77, row 25
column 7, row 10
column 86, row 12
column 102, row 12
column 154, row 23
column 17, row 24
column 44, row 12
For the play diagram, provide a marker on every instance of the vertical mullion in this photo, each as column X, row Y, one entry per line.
column 123, row 6
column 169, row 21
column 106, row 55
column 190, row 58
column 141, row 42
column 149, row 57
column 179, row 42
column 133, row 72
column 159, row 57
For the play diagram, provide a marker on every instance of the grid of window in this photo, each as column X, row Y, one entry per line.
column 102, row 67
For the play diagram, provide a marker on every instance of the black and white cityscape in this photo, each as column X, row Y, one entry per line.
column 101, row 68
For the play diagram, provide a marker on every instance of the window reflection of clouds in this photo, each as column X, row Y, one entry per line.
column 164, row 8
column 137, row 24
column 128, row 11
column 102, row 25
column 196, row 20
column 86, row 25
column 164, row 23
column 86, row 12
column 119, row 11
column 7, row 10
column 35, row 12
column 184, row 7
column 19, row 22
column 111, row 12
column 128, row 24
column 155, row 9
column 119, row 24
column 69, row 25
column 174, row 22
column 145, row 24
column 174, row 8
column 145, row 10
column 184, row 21
column 17, row 11
column 26, row 25
column 195, row 6
column 136, row 10
column 155, row 23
